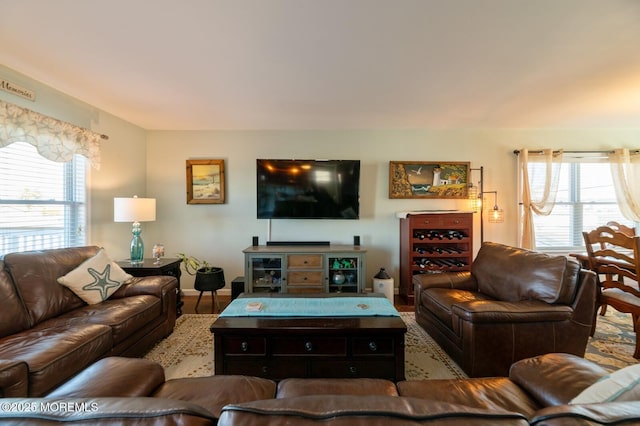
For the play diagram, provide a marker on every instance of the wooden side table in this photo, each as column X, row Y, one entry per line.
column 166, row 266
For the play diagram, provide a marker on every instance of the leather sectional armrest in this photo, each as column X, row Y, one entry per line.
column 155, row 285
column 494, row 311
column 456, row 280
column 113, row 377
column 14, row 378
column 555, row 379
column 103, row 411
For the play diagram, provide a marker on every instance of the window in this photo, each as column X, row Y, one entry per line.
column 586, row 199
column 42, row 203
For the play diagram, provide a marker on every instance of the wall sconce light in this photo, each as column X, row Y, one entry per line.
column 496, row 214
column 135, row 210
column 473, row 193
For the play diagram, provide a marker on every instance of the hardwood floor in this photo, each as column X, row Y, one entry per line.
column 205, row 304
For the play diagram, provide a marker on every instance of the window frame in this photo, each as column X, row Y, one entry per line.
column 575, row 203
column 75, row 229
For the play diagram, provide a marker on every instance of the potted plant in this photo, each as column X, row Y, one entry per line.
column 208, row 277
column 193, row 265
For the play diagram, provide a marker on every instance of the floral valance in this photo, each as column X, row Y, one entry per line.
column 54, row 139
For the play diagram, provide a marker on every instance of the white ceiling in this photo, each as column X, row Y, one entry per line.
column 338, row 64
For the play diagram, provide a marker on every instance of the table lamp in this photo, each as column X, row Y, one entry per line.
column 135, row 210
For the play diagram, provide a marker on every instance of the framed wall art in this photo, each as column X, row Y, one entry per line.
column 205, row 182
column 428, row 179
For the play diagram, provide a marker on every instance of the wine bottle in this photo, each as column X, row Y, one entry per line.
column 434, row 235
column 451, row 234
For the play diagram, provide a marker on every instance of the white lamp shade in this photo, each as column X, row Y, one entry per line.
column 134, row 209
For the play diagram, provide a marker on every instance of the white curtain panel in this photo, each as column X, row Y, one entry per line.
column 625, row 170
column 539, row 188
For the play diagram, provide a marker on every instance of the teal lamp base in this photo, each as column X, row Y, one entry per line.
column 137, row 246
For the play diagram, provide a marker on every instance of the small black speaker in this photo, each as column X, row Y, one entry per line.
column 237, row 287
column 255, row 241
column 356, row 240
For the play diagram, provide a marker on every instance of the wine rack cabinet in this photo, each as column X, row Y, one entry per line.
column 432, row 243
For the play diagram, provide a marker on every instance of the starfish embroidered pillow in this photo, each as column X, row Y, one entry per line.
column 95, row 279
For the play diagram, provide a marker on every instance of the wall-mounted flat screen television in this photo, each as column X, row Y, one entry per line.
column 308, row 189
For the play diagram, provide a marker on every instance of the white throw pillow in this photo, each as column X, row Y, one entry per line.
column 96, row 278
column 622, row 385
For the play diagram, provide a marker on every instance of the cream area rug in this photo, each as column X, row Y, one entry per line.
column 188, row 351
column 613, row 343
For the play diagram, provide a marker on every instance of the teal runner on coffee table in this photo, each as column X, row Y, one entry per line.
column 310, row 307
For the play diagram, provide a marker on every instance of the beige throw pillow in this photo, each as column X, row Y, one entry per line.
column 622, row 385
column 96, row 278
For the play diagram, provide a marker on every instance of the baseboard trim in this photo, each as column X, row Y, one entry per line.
column 227, row 291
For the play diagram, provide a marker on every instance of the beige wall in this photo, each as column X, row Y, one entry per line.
column 152, row 163
column 219, row 233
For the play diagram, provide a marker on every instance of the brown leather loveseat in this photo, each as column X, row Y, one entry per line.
column 513, row 304
column 124, row 391
column 48, row 334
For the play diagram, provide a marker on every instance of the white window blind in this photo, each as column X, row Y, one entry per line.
column 586, row 199
column 42, row 203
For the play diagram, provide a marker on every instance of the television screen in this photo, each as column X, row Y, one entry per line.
column 308, row 189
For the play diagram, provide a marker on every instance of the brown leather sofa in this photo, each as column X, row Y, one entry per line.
column 133, row 391
column 513, row 304
column 48, row 334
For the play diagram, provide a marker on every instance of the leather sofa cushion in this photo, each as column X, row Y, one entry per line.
column 352, row 410
column 124, row 316
column 492, row 393
column 35, row 274
column 214, row 392
column 113, row 377
column 289, row 388
column 513, row 274
column 55, row 353
column 539, row 377
column 13, row 316
column 439, row 301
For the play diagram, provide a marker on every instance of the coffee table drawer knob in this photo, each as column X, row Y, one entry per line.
column 244, row 346
column 265, row 369
column 308, row 346
column 353, row 370
column 373, row 346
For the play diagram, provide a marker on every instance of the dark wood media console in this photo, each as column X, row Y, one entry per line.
column 282, row 347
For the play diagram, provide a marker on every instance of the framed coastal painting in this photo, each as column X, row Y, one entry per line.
column 428, row 179
column 205, row 182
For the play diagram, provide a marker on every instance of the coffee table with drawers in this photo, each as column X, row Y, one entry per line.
column 278, row 347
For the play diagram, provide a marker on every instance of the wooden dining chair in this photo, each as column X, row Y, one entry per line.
column 627, row 230
column 612, row 254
